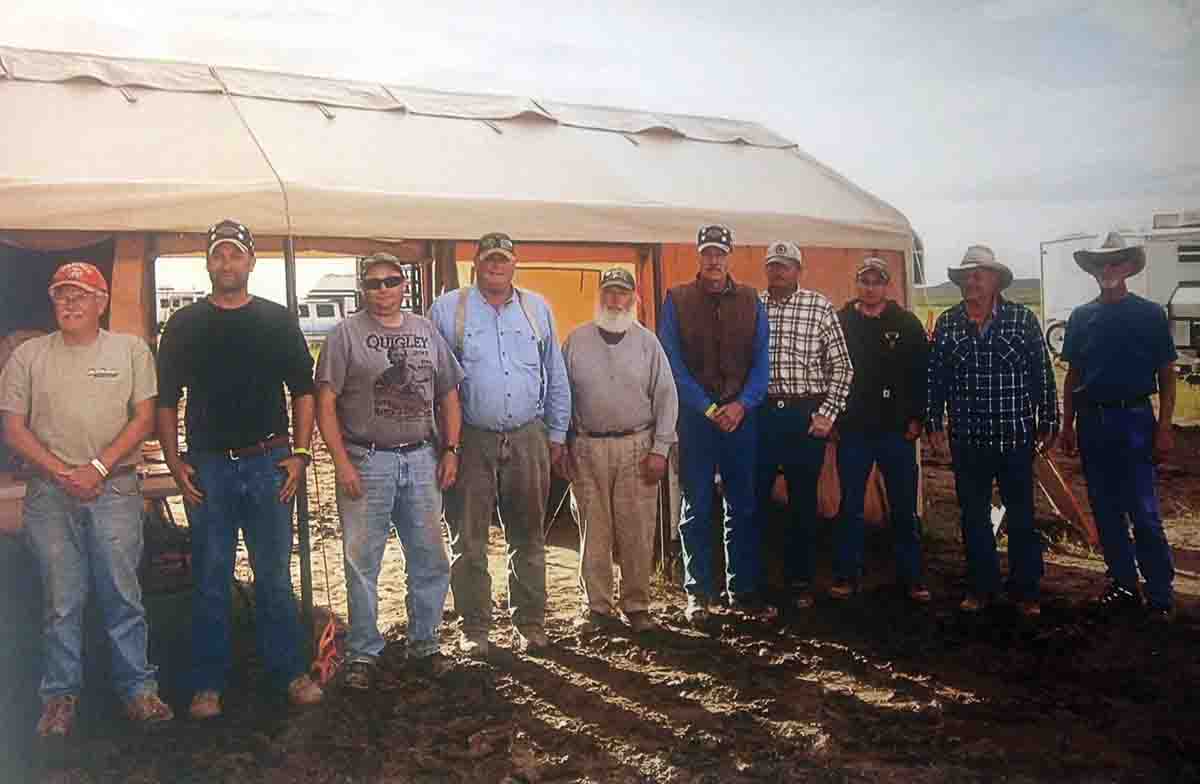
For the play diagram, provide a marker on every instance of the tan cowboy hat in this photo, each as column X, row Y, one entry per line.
column 980, row 257
column 1113, row 251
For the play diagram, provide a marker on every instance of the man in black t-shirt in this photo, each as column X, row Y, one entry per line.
column 233, row 353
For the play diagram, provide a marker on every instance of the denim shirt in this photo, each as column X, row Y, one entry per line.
column 503, row 388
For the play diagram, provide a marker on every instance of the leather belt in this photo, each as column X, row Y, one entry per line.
column 1133, row 402
column 257, row 450
column 120, row 470
column 794, row 401
column 398, row 449
column 616, row 433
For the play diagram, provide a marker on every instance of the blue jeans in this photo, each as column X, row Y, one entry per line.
column 897, row 461
column 400, row 490
column 242, row 494
column 975, row 468
column 1116, row 447
column 784, row 441
column 703, row 447
column 96, row 544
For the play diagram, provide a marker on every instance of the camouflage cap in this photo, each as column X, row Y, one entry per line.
column 873, row 264
column 617, row 277
column 496, row 242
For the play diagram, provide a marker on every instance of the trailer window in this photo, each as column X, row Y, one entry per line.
column 1189, row 254
column 302, row 311
column 325, row 311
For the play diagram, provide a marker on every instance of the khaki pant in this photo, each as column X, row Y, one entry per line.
column 509, row 472
column 617, row 515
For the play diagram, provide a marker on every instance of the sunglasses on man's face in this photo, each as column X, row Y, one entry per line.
column 390, row 282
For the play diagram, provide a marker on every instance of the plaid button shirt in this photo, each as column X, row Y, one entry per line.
column 808, row 350
column 998, row 387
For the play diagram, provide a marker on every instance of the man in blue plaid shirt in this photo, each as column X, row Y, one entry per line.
column 991, row 388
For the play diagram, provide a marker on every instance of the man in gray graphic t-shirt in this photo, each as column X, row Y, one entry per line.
column 383, row 376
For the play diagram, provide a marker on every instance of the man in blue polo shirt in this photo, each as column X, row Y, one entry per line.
column 516, row 404
column 1121, row 352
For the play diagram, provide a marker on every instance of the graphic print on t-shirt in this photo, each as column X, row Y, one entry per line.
column 404, row 391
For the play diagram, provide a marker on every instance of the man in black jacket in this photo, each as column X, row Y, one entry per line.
column 882, row 422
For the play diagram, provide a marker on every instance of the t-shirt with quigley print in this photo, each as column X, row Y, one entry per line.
column 387, row 379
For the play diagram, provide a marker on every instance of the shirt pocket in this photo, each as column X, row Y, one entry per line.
column 1010, row 353
column 526, row 349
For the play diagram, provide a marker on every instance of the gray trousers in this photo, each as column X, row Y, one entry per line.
column 509, row 472
column 617, row 516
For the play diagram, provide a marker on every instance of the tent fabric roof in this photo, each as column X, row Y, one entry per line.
column 103, row 143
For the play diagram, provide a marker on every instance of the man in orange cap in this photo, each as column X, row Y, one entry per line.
column 77, row 404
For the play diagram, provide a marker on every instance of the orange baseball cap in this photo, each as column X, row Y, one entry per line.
column 81, row 274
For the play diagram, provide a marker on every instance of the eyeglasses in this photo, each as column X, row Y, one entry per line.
column 63, row 297
column 390, row 282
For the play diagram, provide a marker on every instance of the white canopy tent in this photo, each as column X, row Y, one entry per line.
column 109, row 144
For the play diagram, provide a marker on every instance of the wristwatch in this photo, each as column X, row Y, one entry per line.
column 454, row 449
column 303, row 452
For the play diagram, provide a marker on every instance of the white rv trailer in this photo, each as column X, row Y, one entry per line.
column 1171, row 278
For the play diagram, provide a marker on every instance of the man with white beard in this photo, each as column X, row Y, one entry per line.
column 624, row 407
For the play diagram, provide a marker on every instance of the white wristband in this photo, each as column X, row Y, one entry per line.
column 96, row 464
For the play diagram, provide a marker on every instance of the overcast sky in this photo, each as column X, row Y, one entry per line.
column 1005, row 122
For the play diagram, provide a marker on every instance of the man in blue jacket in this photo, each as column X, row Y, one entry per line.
column 715, row 334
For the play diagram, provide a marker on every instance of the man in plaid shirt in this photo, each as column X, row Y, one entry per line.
column 809, row 382
column 991, row 386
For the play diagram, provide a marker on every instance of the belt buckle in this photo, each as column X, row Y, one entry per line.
column 232, row 454
column 781, row 403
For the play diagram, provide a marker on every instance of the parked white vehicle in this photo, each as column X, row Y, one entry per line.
column 318, row 317
column 1171, row 278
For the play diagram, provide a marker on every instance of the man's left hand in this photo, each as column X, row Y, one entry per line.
column 821, row 426
column 447, row 470
column 729, row 416
column 293, row 467
column 1045, row 440
column 1164, row 442
column 654, row 468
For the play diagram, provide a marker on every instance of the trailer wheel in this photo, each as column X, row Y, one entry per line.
column 1056, row 333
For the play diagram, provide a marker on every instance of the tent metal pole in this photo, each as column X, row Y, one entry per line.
column 302, row 532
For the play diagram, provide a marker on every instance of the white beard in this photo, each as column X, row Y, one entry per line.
column 618, row 321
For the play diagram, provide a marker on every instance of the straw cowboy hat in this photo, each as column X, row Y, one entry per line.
column 980, row 257
column 1113, row 251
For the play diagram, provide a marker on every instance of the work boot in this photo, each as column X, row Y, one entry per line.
column 753, row 607
column 302, row 691
column 973, row 603
column 591, row 621
column 148, row 708
column 206, row 704
column 1118, row 599
column 473, row 645
column 359, row 675
column 842, row 590
column 58, row 716
column 641, row 621
column 531, row 640
column 802, row 596
column 696, row 613
column 918, row 593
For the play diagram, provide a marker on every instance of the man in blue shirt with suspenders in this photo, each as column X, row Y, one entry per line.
column 516, row 410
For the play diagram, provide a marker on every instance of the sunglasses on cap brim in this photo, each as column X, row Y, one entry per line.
column 390, row 282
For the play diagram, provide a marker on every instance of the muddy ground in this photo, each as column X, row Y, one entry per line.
column 869, row 690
